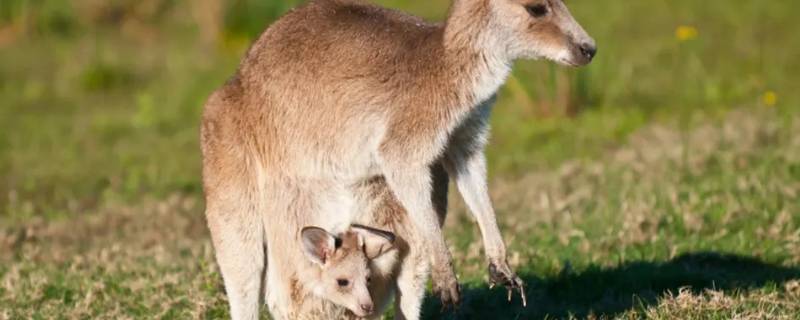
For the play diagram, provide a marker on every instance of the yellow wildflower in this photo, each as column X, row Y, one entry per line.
column 770, row 98
column 686, row 33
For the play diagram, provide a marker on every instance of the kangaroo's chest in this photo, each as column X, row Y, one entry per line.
column 471, row 134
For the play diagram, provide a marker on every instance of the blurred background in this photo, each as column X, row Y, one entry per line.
column 682, row 137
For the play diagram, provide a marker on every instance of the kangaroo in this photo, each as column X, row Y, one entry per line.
column 337, row 92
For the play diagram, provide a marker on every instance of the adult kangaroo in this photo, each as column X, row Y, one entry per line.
column 337, row 92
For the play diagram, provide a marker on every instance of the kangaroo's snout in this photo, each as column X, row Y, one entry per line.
column 583, row 47
column 588, row 50
column 581, row 52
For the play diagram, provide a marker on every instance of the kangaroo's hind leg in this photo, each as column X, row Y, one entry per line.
column 233, row 212
column 414, row 268
column 238, row 237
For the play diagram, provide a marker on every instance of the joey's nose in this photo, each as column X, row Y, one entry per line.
column 588, row 50
column 366, row 307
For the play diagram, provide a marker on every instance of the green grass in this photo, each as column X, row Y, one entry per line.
column 660, row 182
column 615, row 236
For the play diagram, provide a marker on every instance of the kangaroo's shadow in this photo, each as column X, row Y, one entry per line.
column 606, row 292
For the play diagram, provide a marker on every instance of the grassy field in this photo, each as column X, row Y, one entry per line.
column 661, row 182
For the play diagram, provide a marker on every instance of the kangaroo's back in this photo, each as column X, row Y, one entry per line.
column 335, row 42
column 327, row 76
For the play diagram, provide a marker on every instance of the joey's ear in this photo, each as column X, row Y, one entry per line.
column 375, row 242
column 318, row 244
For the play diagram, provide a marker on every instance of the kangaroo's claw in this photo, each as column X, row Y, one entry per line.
column 501, row 274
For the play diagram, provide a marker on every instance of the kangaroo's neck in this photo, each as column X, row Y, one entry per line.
column 472, row 52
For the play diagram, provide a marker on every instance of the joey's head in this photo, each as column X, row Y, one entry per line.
column 343, row 259
column 533, row 29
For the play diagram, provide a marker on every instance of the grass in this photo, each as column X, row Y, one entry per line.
column 661, row 182
column 622, row 235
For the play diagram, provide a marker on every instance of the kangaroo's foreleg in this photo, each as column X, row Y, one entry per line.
column 466, row 163
column 470, row 176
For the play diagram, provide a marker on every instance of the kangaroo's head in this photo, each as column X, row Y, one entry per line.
column 344, row 260
column 525, row 29
column 543, row 29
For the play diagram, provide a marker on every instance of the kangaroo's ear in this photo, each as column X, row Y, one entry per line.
column 318, row 244
column 375, row 242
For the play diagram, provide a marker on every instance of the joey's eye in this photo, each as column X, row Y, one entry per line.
column 369, row 280
column 537, row 10
column 342, row 282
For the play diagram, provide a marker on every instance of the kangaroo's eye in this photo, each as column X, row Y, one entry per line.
column 537, row 10
column 369, row 280
column 342, row 282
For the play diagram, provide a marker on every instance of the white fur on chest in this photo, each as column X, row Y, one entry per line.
column 490, row 73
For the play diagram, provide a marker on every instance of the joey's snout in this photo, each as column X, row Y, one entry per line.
column 367, row 308
column 363, row 305
column 363, row 309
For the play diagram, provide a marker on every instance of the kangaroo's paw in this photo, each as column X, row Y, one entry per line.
column 446, row 287
column 500, row 274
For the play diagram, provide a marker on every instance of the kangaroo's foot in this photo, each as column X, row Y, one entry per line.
column 445, row 286
column 501, row 274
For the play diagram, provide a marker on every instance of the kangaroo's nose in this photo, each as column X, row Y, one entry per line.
column 588, row 50
column 366, row 307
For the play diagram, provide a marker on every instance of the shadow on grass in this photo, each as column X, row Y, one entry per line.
column 610, row 292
